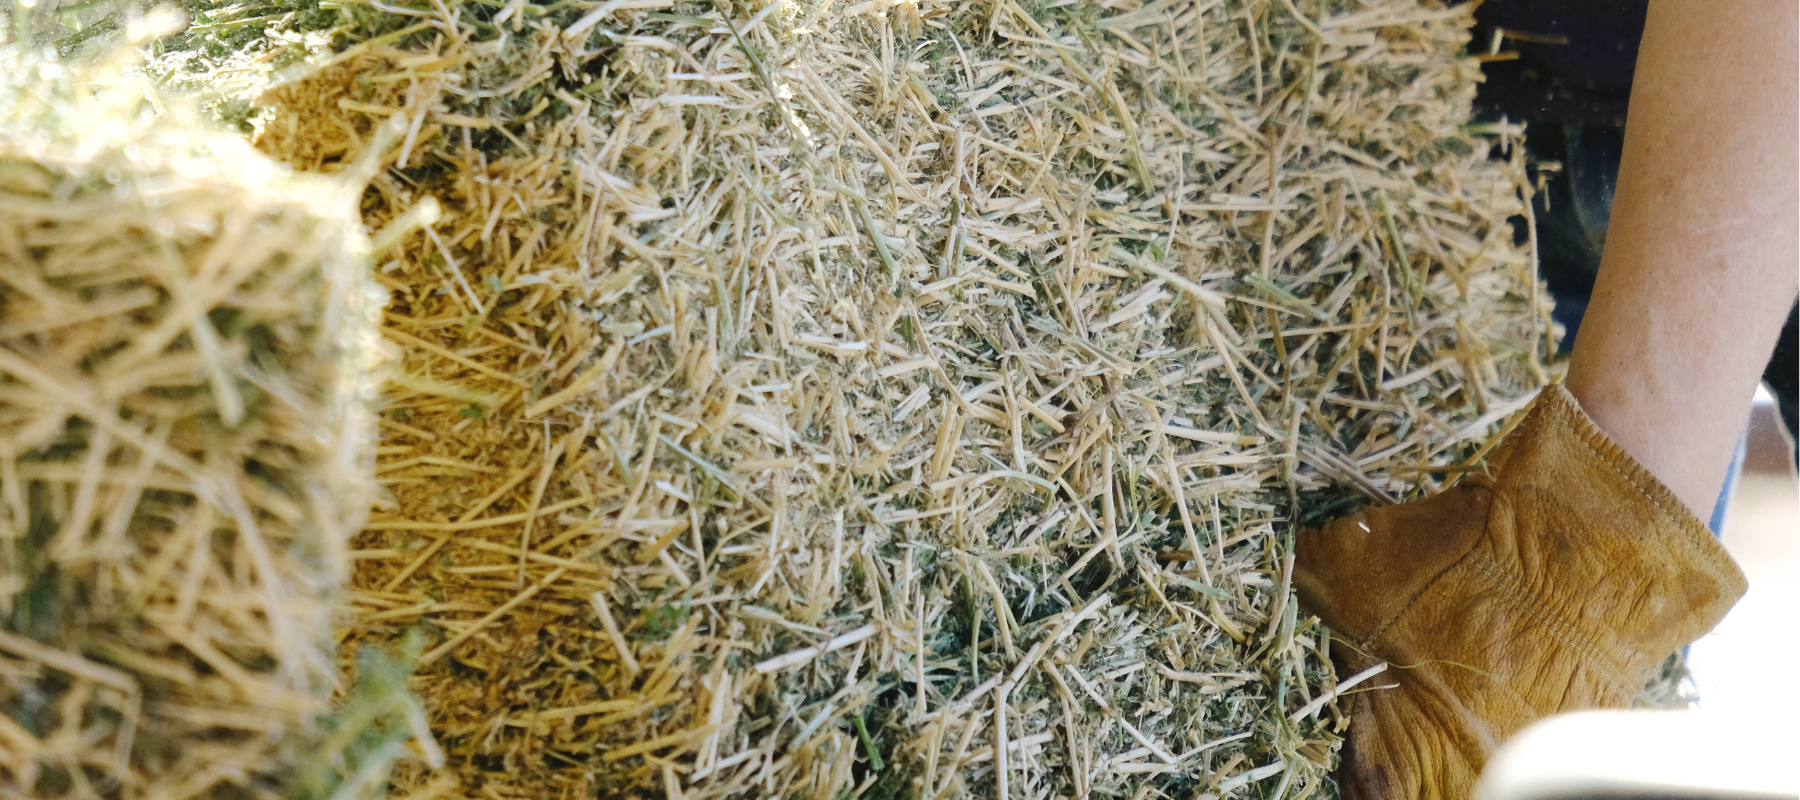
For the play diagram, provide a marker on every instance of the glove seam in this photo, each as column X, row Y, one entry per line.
column 1559, row 627
column 1503, row 580
column 1382, row 629
column 1710, row 556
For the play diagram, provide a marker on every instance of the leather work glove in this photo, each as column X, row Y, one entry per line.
column 1558, row 584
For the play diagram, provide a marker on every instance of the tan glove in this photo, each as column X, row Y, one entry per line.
column 1556, row 585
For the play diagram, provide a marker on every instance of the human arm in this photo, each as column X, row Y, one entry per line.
column 1700, row 264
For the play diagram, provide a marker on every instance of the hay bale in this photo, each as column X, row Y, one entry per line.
column 184, row 443
column 903, row 398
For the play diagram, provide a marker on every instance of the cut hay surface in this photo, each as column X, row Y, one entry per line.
column 184, row 345
column 904, row 399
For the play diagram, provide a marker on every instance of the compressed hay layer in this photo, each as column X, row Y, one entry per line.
column 184, row 444
column 901, row 398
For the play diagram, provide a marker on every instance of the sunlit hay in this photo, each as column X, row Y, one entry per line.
column 906, row 399
column 185, row 351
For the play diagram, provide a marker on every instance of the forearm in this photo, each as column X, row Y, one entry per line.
column 1700, row 263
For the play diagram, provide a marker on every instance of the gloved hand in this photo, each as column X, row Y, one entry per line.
column 1557, row 584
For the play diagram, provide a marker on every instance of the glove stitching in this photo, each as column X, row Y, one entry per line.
column 1506, row 582
column 1708, row 556
column 1395, row 617
column 1372, row 638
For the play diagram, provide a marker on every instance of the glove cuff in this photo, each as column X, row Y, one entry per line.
column 1611, row 553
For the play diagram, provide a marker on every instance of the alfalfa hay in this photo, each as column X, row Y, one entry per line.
column 901, row 399
column 185, row 357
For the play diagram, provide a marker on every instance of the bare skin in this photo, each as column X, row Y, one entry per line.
column 1700, row 265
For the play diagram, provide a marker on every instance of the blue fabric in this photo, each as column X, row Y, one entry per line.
column 1717, row 523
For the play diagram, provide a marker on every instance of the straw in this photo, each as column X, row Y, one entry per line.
column 186, row 352
column 940, row 382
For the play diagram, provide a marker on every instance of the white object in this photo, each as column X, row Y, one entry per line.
column 1645, row 753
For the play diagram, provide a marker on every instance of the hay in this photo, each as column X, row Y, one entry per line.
column 900, row 398
column 184, row 351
